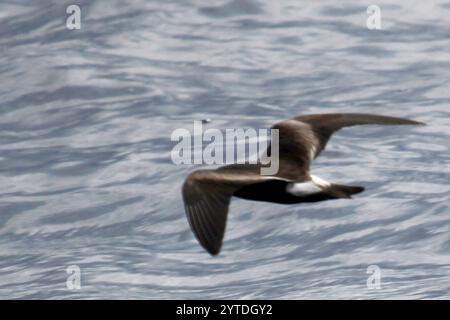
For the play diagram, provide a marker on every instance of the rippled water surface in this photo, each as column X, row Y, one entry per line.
column 86, row 176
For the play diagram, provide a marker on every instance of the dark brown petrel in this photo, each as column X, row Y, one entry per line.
column 207, row 193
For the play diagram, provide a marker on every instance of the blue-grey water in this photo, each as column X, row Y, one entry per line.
column 86, row 176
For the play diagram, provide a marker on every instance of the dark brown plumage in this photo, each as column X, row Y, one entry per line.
column 207, row 193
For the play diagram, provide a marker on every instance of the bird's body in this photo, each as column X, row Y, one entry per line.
column 207, row 193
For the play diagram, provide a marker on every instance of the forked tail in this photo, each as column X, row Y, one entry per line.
column 341, row 191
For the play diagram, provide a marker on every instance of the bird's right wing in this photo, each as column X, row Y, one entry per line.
column 324, row 125
column 301, row 139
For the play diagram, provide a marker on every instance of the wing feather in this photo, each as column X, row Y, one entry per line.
column 207, row 196
column 324, row 125
column 301, row 139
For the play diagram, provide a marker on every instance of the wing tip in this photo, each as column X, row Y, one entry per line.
column 412, row 122
column 214, row 252
column 212, row 249
column 207, row 244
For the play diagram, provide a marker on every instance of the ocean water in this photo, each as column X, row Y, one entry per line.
column 87, row 180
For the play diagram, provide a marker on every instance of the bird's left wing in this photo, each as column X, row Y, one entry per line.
column 207, row 195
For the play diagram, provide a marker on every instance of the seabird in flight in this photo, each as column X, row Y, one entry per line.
column 207, row 193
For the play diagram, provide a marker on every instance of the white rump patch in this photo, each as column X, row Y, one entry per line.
column 300, row 189
column 312, row 152
column 320, row 182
